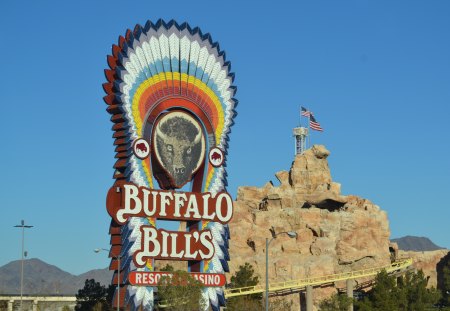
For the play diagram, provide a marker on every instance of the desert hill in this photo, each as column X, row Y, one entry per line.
column 43, row 278
column 415, row 243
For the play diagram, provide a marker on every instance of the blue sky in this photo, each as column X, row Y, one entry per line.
column 375, row 73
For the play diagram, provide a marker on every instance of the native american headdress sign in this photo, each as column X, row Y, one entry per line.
column 170, row 95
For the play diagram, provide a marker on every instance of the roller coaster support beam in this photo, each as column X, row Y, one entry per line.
column 350, row 285
column 309, row 298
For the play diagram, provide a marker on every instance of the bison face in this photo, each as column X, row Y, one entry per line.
column 179, row 146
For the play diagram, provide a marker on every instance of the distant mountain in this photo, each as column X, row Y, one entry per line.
column 43, row 278
column 415, row 243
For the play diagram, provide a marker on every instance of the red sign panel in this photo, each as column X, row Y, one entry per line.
column 128, row 200
column 152, row 278
column 162, row 244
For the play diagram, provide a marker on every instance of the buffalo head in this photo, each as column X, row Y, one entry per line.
column 179, row 146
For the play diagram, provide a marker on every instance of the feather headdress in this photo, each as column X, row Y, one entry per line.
column 154, row 68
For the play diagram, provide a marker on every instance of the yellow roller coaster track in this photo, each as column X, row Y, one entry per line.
column 315, row 281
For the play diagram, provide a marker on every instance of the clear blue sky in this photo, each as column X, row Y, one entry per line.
column 375, row 73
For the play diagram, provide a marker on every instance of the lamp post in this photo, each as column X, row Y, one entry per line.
column 291, row 234
column 23, row 226
column 117, row 257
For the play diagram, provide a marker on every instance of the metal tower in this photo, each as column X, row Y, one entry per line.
column 300, row 134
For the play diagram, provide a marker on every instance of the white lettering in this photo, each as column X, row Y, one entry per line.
column 180, row 198
column 155, row 198
column 165, row 236
column 187, row 238
column 192, row 207
column 131, row 194
column 151, row 278
column 207, row 243
column 229, row 213
column 206, row 206
column 145, row 278
column 173, row 252
column 138, row 278
column 144, row 202
column 149, row 235
column 165, row 201
column 147, row 211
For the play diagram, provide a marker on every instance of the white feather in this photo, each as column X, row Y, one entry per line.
column 149, row 56
column 193, row 57
column 165, row 52
column 154, row 46
column 185, row 48
column 143, row 62
column 174, row 45
column 202, row 59
column 208, row 68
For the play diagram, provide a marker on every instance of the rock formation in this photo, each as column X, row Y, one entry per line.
column 336, row 233
column 427, row 261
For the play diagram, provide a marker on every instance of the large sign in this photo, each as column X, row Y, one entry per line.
column 170, row 94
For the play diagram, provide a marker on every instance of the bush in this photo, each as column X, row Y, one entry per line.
column 242, row 278
column 91, row 295
column 180, row 292
column 410, row 294
column 336, row 303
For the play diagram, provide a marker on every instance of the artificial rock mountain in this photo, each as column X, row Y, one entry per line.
column 336, row 233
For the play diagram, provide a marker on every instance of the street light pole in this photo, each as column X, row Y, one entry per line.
column 291, row 234
column 23, row 226
column 267, row 273
column 97, row 250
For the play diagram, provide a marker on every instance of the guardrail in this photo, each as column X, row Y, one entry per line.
column 314, row 281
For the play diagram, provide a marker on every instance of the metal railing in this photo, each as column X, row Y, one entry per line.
column 315, row 281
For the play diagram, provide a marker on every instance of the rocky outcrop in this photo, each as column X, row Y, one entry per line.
column 336, row 233
column 427, row 261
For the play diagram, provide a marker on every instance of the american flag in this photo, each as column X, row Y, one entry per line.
column 305, row 112
column 314, row 125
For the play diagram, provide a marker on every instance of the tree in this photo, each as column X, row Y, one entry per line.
column 180, row 291
column 446, row 284
column 244, row 303
column 411, row 294
column 110, row 295
column 242, row 278
column 167, row 268
column 418, row 296
column 278, row 304
column 92, row 295
column 385, row 294
column 336, row 303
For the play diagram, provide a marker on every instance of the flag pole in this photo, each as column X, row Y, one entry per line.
column 300, row 125
column 309, row 130
column 300, row 117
